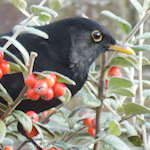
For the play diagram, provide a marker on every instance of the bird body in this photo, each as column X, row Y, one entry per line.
column 69, row 50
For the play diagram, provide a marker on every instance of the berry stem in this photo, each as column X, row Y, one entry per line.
column 33, row 55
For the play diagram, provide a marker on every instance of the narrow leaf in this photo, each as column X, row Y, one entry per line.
column 20, row 4
column 123, row 92
column 32, row 30
column 18, row 61
column 140, row 47
column 90, row 101
column 146, row 93
column 114, row 128
column 133, row 109
column 135, row 140
column 23, row 119
column 122, row 61
column 6, row 97
column 45, row 17
column 66, row 97
column 14, row 68
column 137, row 5
column 115, row 142
column 123, row 24
column 61, row 78
column 20, row 47
column 143, row 36
column 2, row 130
column 37, row 9
column 116, row 83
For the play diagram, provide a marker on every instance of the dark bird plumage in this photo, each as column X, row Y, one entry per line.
column 70, row 50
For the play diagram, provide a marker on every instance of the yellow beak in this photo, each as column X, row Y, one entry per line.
column 122, row 48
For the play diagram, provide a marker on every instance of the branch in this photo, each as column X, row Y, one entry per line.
column 101, row 97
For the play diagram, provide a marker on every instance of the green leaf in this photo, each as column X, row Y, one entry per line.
column 114, row 128
column 55, row 4
column 3, row 107
column 146, row 93
column 145, row 82
column 66, row 97
column 135, row 140
column 115, row 143
column 123, row 91
column 23, row 119
column 146, row 35
column 123, row 24
column 31, row 30
column 7, row 98
column 18, row 61
column 45, row 17
column 133, row 109
column 61, row 78
column 14, row 68
column 20, row 47
column 4, row 94
column 60, row 144
column 76, row 111
column 37, row 9
column 130, row 129
column 140, row 47
column 122, row 61
column 20, row 4
column 2, row 130
column 137, row 5
column 116, row 83
column 90, row 101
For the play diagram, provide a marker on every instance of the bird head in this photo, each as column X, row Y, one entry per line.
column 89, row 39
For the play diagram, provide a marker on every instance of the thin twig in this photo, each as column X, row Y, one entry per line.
column 15, row 104
column 137, row 26
column 75, row 133
column 54, row 111
column 101, row 97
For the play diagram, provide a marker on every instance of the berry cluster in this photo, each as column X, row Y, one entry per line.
column 113, row 71
column 4, row 65
column 90, row 122
column 46, row 88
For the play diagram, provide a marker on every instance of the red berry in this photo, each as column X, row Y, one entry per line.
column 41, row 87
column 1, row 56
column 93, row 122
column 5, row 66
column 1, row 73
column 31, row 94
column 59, row 89
column 33, row 115
column 31, row 80
column 115, row 71
column 43, row 148
column 49, row 95
column 51, row 80
column 34, row 132
column 106, row 84
column 87, row 121
column 53, row 148
column 8, row 148
column 91, row 131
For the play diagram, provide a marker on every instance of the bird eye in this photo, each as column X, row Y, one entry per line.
column 96, row 36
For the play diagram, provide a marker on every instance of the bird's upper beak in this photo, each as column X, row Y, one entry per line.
column 122, row 48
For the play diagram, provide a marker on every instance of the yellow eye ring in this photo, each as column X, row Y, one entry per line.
column 96, row 35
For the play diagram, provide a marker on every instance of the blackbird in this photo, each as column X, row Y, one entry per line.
column 73, row 45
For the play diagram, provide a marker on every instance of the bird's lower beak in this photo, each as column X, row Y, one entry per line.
column 122, row 48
